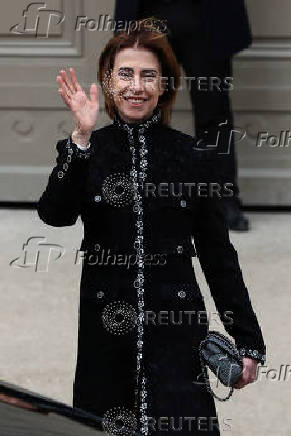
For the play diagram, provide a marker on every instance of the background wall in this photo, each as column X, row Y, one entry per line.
column 33, row 116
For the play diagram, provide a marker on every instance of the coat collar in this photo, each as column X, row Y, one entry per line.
column 155, row 118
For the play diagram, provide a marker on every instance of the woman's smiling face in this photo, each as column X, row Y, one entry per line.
column 136, row 83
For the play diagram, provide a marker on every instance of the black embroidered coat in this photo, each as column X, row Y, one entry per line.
column 141, row 313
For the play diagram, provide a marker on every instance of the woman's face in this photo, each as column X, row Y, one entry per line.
column 136, row 83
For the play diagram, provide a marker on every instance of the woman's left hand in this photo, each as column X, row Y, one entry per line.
column 249, row 372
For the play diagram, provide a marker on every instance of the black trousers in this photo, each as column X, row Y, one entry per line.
column 210, row 95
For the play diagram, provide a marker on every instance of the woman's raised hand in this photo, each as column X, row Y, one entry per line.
column 84, row 110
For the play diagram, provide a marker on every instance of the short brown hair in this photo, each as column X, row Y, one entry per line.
column 146, row 35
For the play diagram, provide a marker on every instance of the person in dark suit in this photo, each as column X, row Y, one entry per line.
column 205, row 34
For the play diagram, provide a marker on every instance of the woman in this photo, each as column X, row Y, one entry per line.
column 141, row 309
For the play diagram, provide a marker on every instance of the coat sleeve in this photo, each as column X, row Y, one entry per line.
column 60, row 203
column 220, row 264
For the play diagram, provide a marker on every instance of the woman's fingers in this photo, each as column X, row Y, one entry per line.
column 68, row 86
column 94, row 93
column 65, row 98
column 68, row 91
column 248, row 374
column 240, row 386
column 75, row 83
column 241, row 382
column 62, row 91
column 62, row 84
column 63, row 87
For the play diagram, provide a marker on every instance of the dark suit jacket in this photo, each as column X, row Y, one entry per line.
column 225, row 29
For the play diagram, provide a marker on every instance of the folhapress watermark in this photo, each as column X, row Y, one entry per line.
column 38, row 20
column 105, row 23
column 37, row 254
column 274, row 374
column 107, row 257
column 282, row 140
column 263, row 373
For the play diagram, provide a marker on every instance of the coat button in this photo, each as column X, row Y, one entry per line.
column 100, row 294
column 60, row 174
column 183, row 203
column 97, row 198
column 179, row 249
column 182, row 294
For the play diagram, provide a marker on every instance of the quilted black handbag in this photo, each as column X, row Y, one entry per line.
column 222, row 357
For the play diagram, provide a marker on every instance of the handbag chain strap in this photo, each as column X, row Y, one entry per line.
column 204, row 369
column 208, row 387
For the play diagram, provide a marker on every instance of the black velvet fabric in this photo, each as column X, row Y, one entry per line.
column 106, row 362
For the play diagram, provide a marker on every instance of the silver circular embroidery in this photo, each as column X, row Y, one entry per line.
column 119, row 421
column 119, row 318
column 180, row 249
column 139, row 176
column 117, row 189
column 97, row 198
column 100, row 294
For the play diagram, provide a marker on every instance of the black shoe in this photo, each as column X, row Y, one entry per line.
column 239, row 223
column 235, row 218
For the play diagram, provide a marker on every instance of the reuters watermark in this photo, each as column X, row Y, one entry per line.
column 189, row 189
column 188, row 423
column 118, row 191
column 123, row 421
column 120, row 317
column 187, row 317
column 166, row 83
